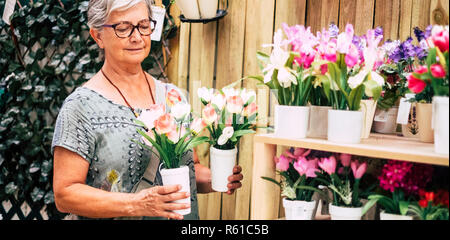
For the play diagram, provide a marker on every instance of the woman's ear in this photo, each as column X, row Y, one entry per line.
column 97, row 36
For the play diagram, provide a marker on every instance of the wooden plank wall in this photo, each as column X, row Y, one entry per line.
column 219, row 53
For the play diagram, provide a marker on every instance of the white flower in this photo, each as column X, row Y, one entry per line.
column 230, row 92
column 247, row 95
column 205, row 93
column 358, row 79
column 180, row 111
column 286, row 78
column 227, row 133
column 218, row 100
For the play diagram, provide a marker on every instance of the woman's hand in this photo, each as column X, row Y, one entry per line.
column 234, row 181
column 157, row 202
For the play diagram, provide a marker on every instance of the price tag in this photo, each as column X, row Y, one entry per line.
column 8, row 10
column 381, row 116
column 158, row 14
column 403, row 111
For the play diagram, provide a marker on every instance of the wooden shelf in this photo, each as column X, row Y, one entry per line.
column 377, row 146
column 265, row 196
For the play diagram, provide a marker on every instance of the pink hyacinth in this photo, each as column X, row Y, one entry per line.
column 328, row 164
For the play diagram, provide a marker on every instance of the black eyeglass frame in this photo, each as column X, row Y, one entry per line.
column 113, row 26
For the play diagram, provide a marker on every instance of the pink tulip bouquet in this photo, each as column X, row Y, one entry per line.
column 171, row 133
column 297, row 168
column 343, row 178
column 229, row 114
column 348, row 66
column 287, row 71
column 432, row 79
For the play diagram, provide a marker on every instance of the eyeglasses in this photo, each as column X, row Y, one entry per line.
column 125, row 29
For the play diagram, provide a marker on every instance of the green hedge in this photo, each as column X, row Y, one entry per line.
column 53, row 54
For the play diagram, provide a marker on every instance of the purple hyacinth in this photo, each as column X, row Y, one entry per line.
column 405, row 51
column 379, row 32
column 333, row 30
column 419, row 34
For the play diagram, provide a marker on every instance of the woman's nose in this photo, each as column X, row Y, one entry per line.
column 136, row 36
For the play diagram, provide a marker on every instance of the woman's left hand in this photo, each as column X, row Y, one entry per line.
column 234, row 181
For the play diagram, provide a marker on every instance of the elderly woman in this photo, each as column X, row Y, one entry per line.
column 99, row 170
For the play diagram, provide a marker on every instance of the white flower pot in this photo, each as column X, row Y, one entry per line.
column 299, row 210
column 388, row 216
column 385, row 121
column 178, row 176
column 221, row 163
column 345, row 213
column 368, row 108
column 291, row 121
column 440, row 124
column 208, row 8
column 189, row 8
column 344, row 126
column 318, row 122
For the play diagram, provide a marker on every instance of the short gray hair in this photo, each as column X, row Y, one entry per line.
column 99, row 10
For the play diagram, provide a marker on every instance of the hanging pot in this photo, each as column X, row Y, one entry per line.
column 208, row 8
column 189, row 8
column 440, row 124
column 222, row 163
column 291, row 121
column 385, row 121
column 424, row 119
column 345, row 213
column 299, row 210
column 178, row 176
column 318, row 122
column 389, row 216
column 345, row 126
column 368, row 108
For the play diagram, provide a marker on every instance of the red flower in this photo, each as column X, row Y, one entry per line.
column 417, row 85
column 437, row 71
column 423, row 203
column 429, row 196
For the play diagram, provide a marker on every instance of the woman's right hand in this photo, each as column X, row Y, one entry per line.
column 158, row 202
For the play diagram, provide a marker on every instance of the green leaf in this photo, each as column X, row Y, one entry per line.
column 403, row 207
column 242, row 133
column 271, row 180
column 354, row 99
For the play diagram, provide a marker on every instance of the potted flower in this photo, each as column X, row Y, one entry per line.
column 427, row 208
column 343, row 179
column 172, row 137
column 229, row 115
column 287, row 72
column 297, row 168
column 349, row 78
column 430, row 82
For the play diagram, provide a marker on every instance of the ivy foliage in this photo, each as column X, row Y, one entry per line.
column 44, row 56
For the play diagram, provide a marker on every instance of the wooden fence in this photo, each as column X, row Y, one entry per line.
column 219, row 53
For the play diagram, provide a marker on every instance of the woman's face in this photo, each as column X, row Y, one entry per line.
column 129, row 50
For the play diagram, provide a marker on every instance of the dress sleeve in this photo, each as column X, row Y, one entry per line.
column 73, row 130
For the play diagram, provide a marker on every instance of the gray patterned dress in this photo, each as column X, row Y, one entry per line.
column 103, row 133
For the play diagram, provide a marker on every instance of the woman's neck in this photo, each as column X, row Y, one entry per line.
column 123, row 74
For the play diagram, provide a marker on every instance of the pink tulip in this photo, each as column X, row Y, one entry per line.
column 417, row 85
column 148, row 117
column 305, row 167
column 165, row 124
column 198, row 125
column 251, row 109
column 437, row 71
column 235, row 104
column 358, row 169
column 345, row 159
column 282, row 163
column 175, row 134
column 209, row 114
column 301, row 152
column 328, row 165
column 173, row 97
column 439, row 36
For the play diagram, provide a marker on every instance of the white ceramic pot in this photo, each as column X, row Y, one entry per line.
column 208, row 8
column 318, row 122
column 221, row 163
column 291, row 121
column 385, row 121
column 299, row 210
column 189, row 8
column 345, row 213
column 368, row 108
column 440, row 124
column 178, row 176
column 388, row 216
column 345, row 126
